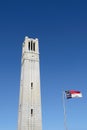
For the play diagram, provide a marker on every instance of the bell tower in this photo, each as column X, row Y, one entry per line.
column 29, row 114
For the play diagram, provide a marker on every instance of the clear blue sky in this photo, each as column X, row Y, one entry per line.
column 61, row 27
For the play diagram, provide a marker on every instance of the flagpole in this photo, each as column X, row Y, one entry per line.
column 64, row 108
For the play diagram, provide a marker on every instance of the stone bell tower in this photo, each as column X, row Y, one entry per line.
column 29, row 114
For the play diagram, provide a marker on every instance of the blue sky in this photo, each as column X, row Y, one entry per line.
column 61, row 27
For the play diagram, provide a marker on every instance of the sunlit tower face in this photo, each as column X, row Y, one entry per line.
column 30, row 99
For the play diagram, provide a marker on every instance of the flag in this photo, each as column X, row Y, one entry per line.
column 73, row 94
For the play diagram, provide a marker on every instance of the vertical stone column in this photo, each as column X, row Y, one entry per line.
column 29, row 115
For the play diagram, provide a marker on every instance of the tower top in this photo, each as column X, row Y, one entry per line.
column 30, row 45
column 27, row 38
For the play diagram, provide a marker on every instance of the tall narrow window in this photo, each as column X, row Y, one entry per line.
column 28, row 45
column 31, row 85
column 31, row 112
column 34, row 46
column 31, row 45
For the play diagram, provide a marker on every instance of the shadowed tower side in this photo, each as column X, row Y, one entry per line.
column 29, row 114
